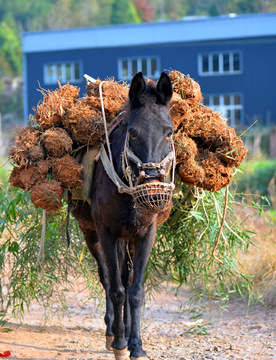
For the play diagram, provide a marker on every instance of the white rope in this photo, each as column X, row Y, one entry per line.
column 42, row 239
column 207, row 217
column 105, row 125
column 225, row 223
column 219, row 214
column 174, row 159
column 221, row 226
column 114, row 175
column 198, row 197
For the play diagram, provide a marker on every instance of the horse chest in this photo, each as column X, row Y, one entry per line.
column 131, row 222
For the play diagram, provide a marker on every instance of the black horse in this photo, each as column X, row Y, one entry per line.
column 120, row 227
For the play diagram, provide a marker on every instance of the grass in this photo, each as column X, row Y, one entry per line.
column 257, row 180
column 260, row 261
column 255, row 177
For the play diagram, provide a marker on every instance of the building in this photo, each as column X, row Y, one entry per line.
column 232, row 57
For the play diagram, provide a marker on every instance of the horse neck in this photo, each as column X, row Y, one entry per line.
column 117, row 140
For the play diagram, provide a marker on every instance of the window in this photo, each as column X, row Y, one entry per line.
column 150, row 66
column 229, row 106
column 220, row 63
column 64, row 72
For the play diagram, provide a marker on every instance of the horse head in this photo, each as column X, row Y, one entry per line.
column 149, row 153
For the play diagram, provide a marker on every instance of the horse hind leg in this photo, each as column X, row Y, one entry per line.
column 82, row 215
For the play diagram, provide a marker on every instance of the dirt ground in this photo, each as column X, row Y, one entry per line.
column 232, row 334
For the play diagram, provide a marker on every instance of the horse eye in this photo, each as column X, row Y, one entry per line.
column 133, row 134
column 169, row 134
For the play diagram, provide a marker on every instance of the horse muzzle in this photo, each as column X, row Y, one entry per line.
column 149, row 194
column 153, row 197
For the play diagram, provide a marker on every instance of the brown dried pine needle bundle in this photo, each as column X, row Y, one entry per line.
column 210, row 131
column 186, row 87
column 51, row 111
column 84, row 123
column 26, row 178
column 57, row 142
column 23, row 178
column 206, row 148
column 68, row 171
column 179, row 109
column 201, row 166
column 47, row 195
column 114, row 96
column 27, row 147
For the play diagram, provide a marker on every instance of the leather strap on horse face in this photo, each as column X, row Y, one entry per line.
column 163, row 167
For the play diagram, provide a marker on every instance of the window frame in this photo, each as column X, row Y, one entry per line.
column 221, row 108
column 62, row 78
column 139, row 59
column 220, row 55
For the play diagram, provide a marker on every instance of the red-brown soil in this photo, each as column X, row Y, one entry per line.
column 233, row 334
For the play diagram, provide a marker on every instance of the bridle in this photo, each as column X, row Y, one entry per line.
column 163, row 168
column 149, row 197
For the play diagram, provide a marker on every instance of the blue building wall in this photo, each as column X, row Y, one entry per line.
column 256, row 82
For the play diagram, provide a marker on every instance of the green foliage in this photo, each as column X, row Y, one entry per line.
column 145, row 11
column 3, row 172
column 104, row 12
column 123, row 12
column 183, row 250
column 27, row 14
column 10, row 47
column 182, row 253
column 24, row 275
column 11, row 103
column 21, row 15
column 256, row 177
column 213, row 10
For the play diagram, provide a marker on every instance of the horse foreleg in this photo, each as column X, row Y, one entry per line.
column 143, row 247
column 116, row 294
column 125, row 254
column 96, row 251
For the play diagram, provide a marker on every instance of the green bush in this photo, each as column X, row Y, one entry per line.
column 185, row 242
column 255, row 177
column 26, row 276
column 182, row 252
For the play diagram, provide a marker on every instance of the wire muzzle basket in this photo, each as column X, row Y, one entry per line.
column 153, row 197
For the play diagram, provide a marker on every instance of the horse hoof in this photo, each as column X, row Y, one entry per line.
column 108, row 342
column 121, row 354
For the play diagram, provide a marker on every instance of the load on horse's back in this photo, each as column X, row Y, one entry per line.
column 129, row 197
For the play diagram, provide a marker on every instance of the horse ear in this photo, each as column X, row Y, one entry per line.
column 164, row 88
column 137, row 86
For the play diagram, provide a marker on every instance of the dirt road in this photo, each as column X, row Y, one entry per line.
column 232, row 335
